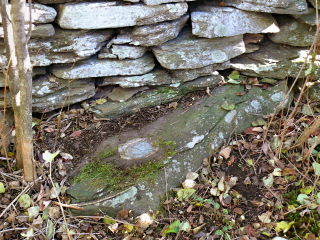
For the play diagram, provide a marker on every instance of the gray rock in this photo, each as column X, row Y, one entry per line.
column 50, row 93
column 188, row 51
column 274, row 61
column 67, row 46
column 211, row 22
column 92, row 15
column 57, row 1
column 293, row 32
column 94, row 67
column 309, row 18
column 151, row 35
column 271, row 6
column 157, row 2
column 313, row 2
column 161, row 76
column 43, row 30
column 314, row 92
column 194, row 134
column 35, row 72
column 120, row 94
column 122, row 52
column 40, row 13
column 154, row 97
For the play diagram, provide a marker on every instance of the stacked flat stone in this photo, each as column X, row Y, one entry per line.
column 129, row 51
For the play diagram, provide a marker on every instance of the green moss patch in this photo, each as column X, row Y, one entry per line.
column 106, row 153
column 108, row 175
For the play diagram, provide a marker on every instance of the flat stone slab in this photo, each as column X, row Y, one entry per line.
column 308, row 18
column 65, row 46
column 211, row 22
column 274, row 61
column 270, row 6
column 42, row 30
column 122, row 52
column 98, row 15
column 40, row 13
column 50, row 93
column 151, row 35
column 161, row 76
column 154, row 97
column 188, row 136
column 188, row 51
column 94, row 67
column 293, row 32
column 158, row 2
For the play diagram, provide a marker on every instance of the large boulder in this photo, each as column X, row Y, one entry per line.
column 293, row 32
column 98, row 15
column 94, row 67
column 151, row 35
column 211, row 22
column 275, row 61
column 188, row 51
column 50, row 93
column 163, row 152
column 270, row 6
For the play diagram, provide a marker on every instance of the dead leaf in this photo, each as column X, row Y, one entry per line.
column 123, row 214
column 76, row 133
column 173, row 105
column 225, row 152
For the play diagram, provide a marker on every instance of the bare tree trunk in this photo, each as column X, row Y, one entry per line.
column 25, row 77
column 13, row 74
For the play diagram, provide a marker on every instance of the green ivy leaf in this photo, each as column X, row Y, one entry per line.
column 316, row 167
column 2, row 188
column 234, row 75
column 33, row 212
column 185, row 194
column 50, row 229
column 172, row 228
column 24, row 201
column 108, row 220
column 218, row 232
column 283, row 226
column 302, row 198
column 228, row 107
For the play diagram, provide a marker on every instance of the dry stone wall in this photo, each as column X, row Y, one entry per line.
column 138, row 53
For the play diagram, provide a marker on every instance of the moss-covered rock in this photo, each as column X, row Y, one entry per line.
column 189, row 136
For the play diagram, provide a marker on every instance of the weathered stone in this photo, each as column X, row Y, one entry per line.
column 314, row 92
column 151, row 35
column 194, row 134
column 122, row 52
column 35, row 72
column 211, row 22
column 251, row 41
column 161, row 76
column 66, row 46
column 92, row 15
column 188, row 51
column 271, row 6
column 40, row 13
column 50, row 93
column 157, row 2
column 57, row 1
column 154, row 97
column 43, row 30
column 119, row 94
column 313, row 2
column 274, row 61
column 293, row 32
column 309, row 18
column 94, row 67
